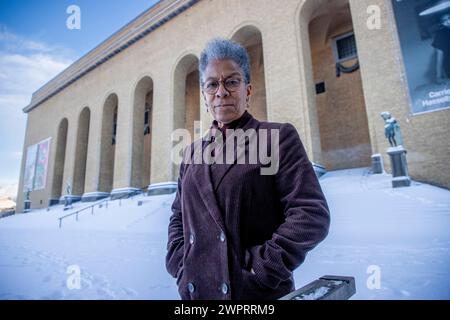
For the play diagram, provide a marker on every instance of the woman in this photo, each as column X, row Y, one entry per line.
column 236, row 233
column 441, row 43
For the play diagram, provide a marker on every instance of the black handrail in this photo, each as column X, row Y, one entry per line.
column 95, row 204
column 83, row 209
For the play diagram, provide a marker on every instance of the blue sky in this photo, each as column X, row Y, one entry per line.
column 35, row 45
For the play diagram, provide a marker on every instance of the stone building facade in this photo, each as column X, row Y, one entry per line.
column 110, row 114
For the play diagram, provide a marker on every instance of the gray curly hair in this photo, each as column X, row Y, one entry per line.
column 219, row 48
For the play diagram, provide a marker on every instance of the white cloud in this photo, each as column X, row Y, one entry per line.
column 23, row 74
column 8, row 189
column 12, row 42
column 25, row 66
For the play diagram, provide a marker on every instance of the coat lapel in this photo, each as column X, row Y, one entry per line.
column 202, row 174
column 221, row 170
column 202, row 178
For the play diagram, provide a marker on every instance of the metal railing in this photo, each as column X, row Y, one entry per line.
column 77, row 212
column 99, row 203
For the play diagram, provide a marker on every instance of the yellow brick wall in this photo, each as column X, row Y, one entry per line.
column 289, row 90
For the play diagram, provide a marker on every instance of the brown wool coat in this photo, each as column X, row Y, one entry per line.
column 218, row 233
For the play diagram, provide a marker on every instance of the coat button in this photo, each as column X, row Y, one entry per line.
column 191, row 239
column 191, row 287
column 222, row 236
column 224, row 288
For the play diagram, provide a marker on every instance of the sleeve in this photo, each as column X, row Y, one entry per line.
column 175, row 243
column 306, row 213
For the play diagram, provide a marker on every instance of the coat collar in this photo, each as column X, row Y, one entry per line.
column 202, row 173
column 234, row 124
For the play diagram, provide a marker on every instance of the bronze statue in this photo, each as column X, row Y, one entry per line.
column 391, row 129
column 68, row 189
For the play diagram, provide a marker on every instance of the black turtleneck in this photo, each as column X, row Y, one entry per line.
column 233, row 124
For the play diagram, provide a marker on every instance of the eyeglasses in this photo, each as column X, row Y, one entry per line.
column 230, row 84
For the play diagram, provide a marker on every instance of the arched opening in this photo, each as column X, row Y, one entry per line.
column 338, row 98
column 142, row 133
column 108, row 143
column 192, row 100
column 186, row 97
column 250, row 37
column 60, row 156
column 186, row 94
column 79, row 175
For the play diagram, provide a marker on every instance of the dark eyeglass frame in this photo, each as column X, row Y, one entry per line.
column 226, row 84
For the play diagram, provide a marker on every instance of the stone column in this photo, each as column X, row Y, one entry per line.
column 163, row 116
column 92, row 192
column 69, row 163
column 122, row 162
column 289, row 78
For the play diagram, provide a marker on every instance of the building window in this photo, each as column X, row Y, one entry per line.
column 147, row 120
column 114, row 128
column 344, row 47
column 320, row 87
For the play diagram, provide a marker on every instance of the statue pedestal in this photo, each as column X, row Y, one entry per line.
column 27, row 206
column 377, row 164
column 400, row 176
column 123, row 193
column 70, row 198
column 53, row 202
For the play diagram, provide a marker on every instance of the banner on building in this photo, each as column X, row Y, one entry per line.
column 40, row 177
column 424, row 32
column 36, row 165
column 30, row 165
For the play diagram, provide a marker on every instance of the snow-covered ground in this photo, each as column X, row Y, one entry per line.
column 119, row 250
column 402, row 234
